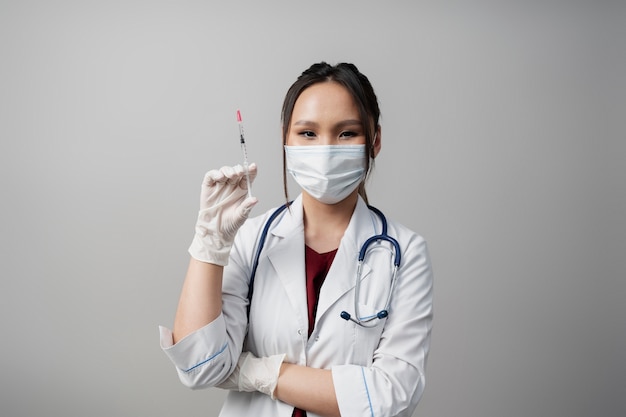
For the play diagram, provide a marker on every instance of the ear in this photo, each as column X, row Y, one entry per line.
column 377, row 142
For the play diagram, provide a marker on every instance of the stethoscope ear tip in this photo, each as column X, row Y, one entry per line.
column 382, row 314
column 345, row 315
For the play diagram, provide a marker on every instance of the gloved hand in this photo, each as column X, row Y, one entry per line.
column 255, row 374
column 223, row 209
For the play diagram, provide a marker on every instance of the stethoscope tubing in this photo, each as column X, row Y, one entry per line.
column 257, row 256
column 397, row 256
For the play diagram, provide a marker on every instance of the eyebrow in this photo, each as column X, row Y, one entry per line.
column 343, row 123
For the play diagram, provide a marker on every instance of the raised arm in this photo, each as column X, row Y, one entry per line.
column 200, row 300
column 223, row 209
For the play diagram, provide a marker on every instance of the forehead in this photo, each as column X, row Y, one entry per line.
column 325, row 99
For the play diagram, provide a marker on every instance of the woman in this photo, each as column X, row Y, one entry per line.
column 311, row 341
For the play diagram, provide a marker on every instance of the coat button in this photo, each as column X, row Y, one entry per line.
column 300, row 332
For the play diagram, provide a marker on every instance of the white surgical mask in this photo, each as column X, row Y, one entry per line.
column 329, row 173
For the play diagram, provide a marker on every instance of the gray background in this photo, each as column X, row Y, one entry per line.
column 503, row 144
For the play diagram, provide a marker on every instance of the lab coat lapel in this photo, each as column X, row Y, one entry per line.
column 342, row 275
column 287, row 259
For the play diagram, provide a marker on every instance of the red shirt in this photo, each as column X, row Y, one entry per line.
column 317, row 266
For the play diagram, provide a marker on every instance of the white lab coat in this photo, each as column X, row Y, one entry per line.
column 376, row 371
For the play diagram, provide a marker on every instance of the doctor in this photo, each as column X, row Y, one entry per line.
column 311, row 343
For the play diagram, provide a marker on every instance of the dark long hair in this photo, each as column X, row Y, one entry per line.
column 362, row 93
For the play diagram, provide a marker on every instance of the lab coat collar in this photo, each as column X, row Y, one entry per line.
column 341, row 277
column 292, row 221
column 363, row 223
column 287, row 258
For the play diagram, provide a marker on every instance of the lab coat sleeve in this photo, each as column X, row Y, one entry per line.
column 207, row 356
column 199, row 361
column 394, row 383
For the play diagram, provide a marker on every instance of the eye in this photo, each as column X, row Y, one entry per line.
column 348, row 134
column 307, row 134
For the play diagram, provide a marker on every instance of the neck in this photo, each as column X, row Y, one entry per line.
column 325, row 224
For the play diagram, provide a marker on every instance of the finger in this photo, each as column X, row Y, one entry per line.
column 243, row 180
column 213, row 176
column 252, row 171
column 246, row 206
column 233, row 174
column 228, row 171
column 238, row 216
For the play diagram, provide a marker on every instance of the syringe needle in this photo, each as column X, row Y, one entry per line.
column 242, row 141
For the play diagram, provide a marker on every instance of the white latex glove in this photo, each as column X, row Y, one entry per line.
column 223, row 209
column 255, row 374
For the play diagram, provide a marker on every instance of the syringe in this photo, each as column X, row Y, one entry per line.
column 242, row 140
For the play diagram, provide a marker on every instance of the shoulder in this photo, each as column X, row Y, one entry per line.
column 256, row 223
column 409, row 240
column 400, row 229
column 394, row 227
column 252, row 231
column 283, row 217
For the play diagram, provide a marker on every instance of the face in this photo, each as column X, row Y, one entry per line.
column 325, row 114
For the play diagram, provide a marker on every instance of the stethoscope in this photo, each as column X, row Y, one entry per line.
column 366, row 321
